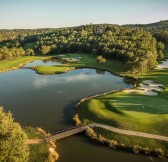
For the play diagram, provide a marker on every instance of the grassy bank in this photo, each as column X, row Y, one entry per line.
column 52, row 69
column 38, row 152
column 86, row 61
column 131, row 111
column 6, row 65
column 41, row 151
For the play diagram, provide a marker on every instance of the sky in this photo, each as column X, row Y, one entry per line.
column 64, row 13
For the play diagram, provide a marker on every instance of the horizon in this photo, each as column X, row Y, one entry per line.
column 76, row 26
column 18, row 14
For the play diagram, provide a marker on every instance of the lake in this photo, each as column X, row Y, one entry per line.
column 48, row 101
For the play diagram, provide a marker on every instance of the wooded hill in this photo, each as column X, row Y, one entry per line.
column 139, row 46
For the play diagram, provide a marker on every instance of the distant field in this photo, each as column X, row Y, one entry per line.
column 6, row 64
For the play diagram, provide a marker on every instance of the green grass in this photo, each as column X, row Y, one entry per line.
column 57, row 69
column 87, row 60
column 132, row 141
column 38, row 152
column 132, row 111
column 7, row 65
column 29, row 45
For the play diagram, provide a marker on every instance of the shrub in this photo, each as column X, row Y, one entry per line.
column 113, row 143
column 100, row 59
column 137, row 149
column 159, row 152
column 90, row 133
column 76, row 119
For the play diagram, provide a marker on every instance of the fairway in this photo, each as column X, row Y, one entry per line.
column 131, row 111
column 85, row 61
column 18, row 62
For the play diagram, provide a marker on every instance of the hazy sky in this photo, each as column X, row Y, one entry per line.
column 61, row 13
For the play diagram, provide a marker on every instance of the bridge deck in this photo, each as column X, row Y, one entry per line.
column 66, row 133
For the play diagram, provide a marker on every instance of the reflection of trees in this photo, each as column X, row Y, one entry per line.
column 129, row 80
column 101, row 72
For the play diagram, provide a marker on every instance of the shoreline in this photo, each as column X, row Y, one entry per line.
column 77, row 120
column 90, row 97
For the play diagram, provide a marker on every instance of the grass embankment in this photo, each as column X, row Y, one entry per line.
column 131, row 111
column 38, row 152
column 86, row 61
column 6, row 65
column 42, row 151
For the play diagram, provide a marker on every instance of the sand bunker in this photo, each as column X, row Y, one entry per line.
column 72, row 59
column 148, row 87
column 61, row 55
column 163, row 65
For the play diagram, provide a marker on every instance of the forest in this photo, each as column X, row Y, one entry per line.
column 139, row 46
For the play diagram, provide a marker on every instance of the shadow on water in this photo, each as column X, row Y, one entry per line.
column 69, row 111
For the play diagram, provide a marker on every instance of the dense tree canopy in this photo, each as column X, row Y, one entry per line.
column 132, row 44
column 13, row 146
column 158, row 29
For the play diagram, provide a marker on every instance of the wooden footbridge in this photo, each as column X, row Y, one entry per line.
column 81, row 128
column 66, row 133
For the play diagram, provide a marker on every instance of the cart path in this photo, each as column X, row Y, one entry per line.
column 130, row 133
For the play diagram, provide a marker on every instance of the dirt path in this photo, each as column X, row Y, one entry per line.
column 131, row 133
column 34, row 141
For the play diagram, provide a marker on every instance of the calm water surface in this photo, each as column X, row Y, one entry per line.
column 48, row 101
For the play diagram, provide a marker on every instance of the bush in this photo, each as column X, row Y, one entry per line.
column 76, row 119
column 159, row 152
column 90, row 133
column 146, row 151
column 113, row 144
column 137, row 149
column 100, row 59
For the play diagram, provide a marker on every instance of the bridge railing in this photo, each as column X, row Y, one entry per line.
column 61, row 131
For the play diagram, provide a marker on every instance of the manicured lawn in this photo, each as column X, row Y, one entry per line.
column 87, row 60
column 6, row 64
column 131, row 111
column 57, row 69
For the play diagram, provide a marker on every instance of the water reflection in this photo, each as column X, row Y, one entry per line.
column 48, row 101
column 100, row 71
column 43, row 62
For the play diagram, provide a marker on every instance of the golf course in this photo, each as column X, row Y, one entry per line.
column 131, row 111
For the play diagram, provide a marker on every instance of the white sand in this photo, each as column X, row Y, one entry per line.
column 61, row 55
column 148, row 87
column 163, row 65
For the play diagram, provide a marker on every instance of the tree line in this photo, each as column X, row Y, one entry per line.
column 136, row 47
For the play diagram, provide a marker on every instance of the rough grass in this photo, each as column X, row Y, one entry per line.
column 132, row 141
column 38, row 152
column 10, row 64
column 87, row 60
column 132, row 111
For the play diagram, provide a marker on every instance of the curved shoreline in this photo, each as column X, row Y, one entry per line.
column 117, row 130
column 16, row 67
column 98, row 95
column 20, row 65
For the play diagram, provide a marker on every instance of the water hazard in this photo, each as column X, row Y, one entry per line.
column 48, row 101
